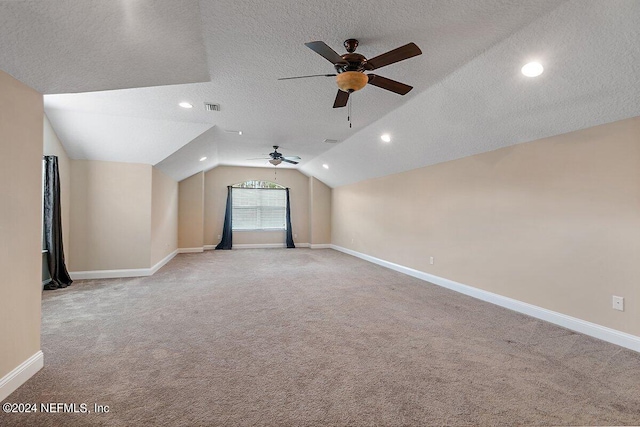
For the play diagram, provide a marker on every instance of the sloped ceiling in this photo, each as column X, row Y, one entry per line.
column 591, row 51
column 469, row 94
column 67, row 46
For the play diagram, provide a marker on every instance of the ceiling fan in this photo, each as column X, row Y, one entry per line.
column 276, row 158
column 351, row 66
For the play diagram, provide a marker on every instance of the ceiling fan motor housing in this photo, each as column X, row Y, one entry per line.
column 351, row 75
column 351, row 62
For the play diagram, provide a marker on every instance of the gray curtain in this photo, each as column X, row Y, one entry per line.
column 290, row 243
column 227, row 232
column 53, row 226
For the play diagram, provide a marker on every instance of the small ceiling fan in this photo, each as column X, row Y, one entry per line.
column 351, row 66
column 276, row 158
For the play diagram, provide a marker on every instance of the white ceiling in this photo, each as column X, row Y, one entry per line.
column 67, row 46
column 591, row 51
column 469, row 96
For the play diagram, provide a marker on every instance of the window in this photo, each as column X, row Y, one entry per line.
column 258, row 205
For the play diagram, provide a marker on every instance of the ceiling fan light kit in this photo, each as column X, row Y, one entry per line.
column 351, row 81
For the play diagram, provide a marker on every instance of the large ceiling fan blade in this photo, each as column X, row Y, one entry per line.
column 322, row 49
column 388, row 84
column 304, row 77
column 291, row 157
column 284, row 159
column 341, row 99
column 396, row 55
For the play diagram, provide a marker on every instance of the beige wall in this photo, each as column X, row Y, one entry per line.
column 554, row 223
column 215, row 197
column 191, row 211
column 21, row 131
column 110, row 215
column 164, row 216
column 53, row 147
column 320, row 209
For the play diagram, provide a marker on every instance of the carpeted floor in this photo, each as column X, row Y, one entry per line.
column 308, row 338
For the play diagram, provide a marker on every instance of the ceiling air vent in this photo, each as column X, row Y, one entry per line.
column 211, row 107
column 330, row 141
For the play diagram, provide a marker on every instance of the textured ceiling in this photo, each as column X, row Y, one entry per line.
column 591, row 53
column 469, row 96
column 67, row 46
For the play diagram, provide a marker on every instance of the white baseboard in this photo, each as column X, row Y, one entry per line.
column 320, row 246
column 190, row 250
column 266, row 245
column 129, row 272
column 258, row 246
column 604, row 333
column 162, row 262
column 110, row 274
column 18, row 376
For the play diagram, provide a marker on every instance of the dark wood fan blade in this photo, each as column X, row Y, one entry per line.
column 341, row 99
column 396, row 55
column 288, row 161
column 388, row 84
column 322, row 49
column 304, row 77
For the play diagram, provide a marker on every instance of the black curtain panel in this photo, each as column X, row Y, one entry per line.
column 53, row 226
column 227, row 234
column 290, row 243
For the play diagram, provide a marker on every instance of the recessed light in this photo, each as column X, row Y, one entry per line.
column 202, row 159
column 185, row 105
column 326, row 166
column 239, row 132
column 532, row 69
column 386, row 137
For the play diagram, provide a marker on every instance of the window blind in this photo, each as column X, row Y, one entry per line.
column 258, row 209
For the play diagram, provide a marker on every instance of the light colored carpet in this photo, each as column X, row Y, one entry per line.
column 308, row 338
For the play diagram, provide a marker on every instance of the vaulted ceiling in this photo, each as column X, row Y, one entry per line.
column 113, row 73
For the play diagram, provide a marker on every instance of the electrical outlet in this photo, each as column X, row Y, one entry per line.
column 219, row 236
column 295, row 236
column 431, row 260
column 618, row 303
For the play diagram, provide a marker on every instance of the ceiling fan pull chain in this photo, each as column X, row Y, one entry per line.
column 349, row 112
